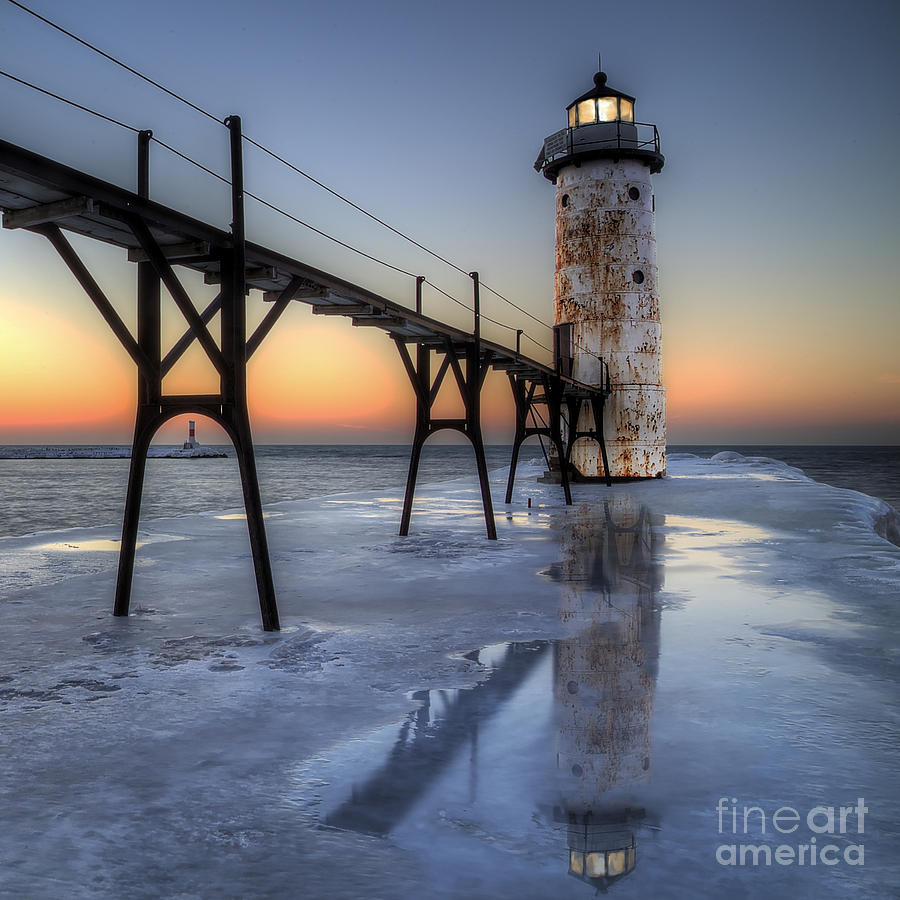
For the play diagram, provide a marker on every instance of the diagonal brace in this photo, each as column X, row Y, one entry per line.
column 485, row 367
column 439, row 378
column 100, row 300
column 415, row 379
column 273, row 315
column 188, row 337
column 177, row 291
column 460, row 378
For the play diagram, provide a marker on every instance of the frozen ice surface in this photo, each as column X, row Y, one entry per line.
column 445, row 716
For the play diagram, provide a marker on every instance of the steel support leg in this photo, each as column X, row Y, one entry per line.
column 414, row 457
column 521, row 421
column 420, row 378
column 470, row 389
column 144, row 429
column 146, row 419
column 514, row 461
column 554, row 410
column 473, row 424
column 239, row 422
column 597, row 406
column 487, row 503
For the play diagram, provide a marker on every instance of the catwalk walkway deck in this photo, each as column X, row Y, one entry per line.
column 45, row 197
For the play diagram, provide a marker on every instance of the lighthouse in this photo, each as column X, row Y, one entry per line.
column 606, row 300
column 191, row 442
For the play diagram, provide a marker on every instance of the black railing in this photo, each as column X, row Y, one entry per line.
column 616, row 135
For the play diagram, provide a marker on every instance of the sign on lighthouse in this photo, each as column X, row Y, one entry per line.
column 606, row 302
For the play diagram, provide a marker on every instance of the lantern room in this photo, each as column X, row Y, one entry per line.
column 602, row 850
column 601, row 104
column 601, row 124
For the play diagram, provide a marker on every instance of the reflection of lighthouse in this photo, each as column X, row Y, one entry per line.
column 559, row 727
column 604, row 678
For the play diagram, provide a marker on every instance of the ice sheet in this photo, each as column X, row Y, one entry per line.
column 743, row 617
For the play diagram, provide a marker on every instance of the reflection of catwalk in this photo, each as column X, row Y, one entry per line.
column 604, row 678
column 444, row 725
column 475, row 760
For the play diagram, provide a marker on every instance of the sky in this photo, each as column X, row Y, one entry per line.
column 775, row 212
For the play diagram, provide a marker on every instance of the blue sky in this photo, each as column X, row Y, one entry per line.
column 776, row 210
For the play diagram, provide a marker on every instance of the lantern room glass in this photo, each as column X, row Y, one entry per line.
column 615, row 863
column 587, row 112
column 576, row 862
column 607, row 109
column 600, row 109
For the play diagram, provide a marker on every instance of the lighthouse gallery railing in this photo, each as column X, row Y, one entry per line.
column 599, row 136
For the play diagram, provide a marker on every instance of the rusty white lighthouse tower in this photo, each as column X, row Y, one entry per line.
column 606, row 305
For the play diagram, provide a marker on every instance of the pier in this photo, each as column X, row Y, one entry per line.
column 50, row 199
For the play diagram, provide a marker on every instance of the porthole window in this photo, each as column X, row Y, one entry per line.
column 572, row 687
column 577, row 771
column 637, row 276
column 565, row 200
column 634, row 193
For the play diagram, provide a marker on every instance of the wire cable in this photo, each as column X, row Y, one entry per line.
column 86, row 109
column 355, row 206
column 113, row 59
column 516, row 306
column 344, row 199
column 330, row 237
column 266, row 203
column 449, row 296
column 193, row 162
column 394, row 230
column 176, row 96
column 282, row 212
column 533, row 341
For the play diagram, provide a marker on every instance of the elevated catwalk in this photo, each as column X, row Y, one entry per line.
column 45, row 197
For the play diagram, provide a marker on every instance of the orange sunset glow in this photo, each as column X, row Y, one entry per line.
column 58, row 379
column 777, row 274
column 316, row 379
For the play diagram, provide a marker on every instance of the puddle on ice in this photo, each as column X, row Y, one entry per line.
column 231, row 516
column 700, row 526
column 98, row 545
column 595, row 761
column 102, row 545
column 731, row 476
column 548, row 757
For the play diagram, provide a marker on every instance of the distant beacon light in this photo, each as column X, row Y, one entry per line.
column 191, row 442
column 606, row 284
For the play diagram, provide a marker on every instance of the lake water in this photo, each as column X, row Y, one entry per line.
column 48, row 494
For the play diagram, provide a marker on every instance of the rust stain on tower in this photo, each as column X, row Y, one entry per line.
column 606, row 277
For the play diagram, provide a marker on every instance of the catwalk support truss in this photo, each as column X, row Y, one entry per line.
column 47, row 198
